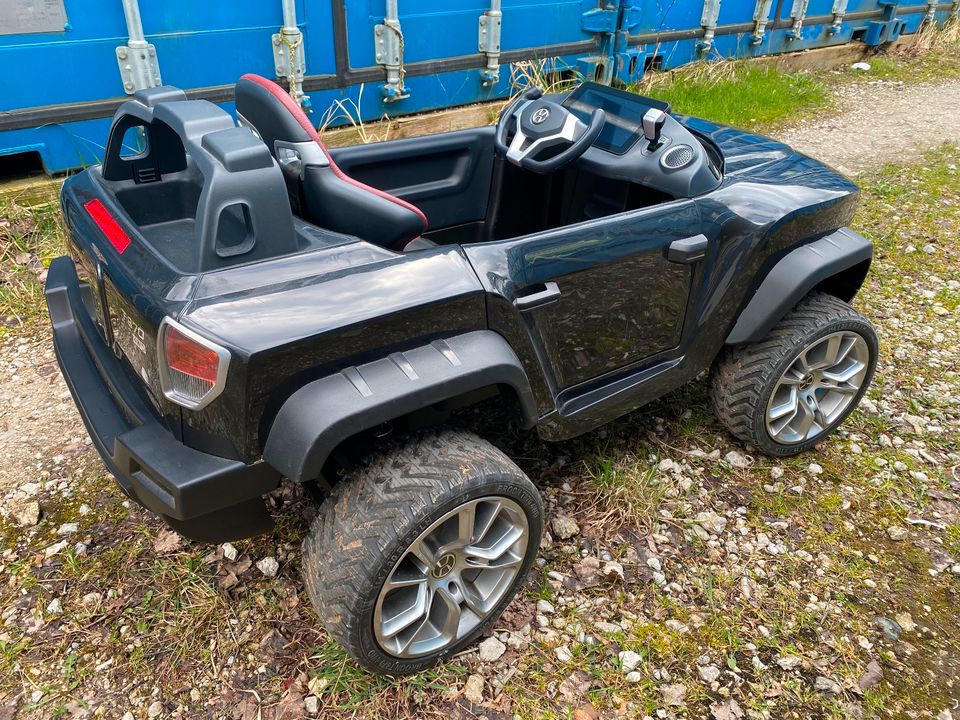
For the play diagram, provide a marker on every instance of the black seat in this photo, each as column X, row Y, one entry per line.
column 320, row 191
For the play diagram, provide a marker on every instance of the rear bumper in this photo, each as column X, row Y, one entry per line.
column 204, row 497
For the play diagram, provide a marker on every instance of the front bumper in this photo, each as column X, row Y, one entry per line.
column 204, row 497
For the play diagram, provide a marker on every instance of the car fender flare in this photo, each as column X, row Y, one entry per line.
column 796, row 274
column 325, row 412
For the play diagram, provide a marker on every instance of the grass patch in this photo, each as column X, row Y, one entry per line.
column 934, row 57
column 742, row 94
column 29, row 240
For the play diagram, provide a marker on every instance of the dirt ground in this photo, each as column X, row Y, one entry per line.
column 697, row 579
column 880, row 123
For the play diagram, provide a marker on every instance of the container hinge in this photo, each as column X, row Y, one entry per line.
column 761, row 17
column 388, row 39
column 289, row 62
column 708, row 21
column 139, row 67
column 797, row 14
column 631, row 15
column 931, row 16
column 839, row 10
column 488, row 43
column 601, row 19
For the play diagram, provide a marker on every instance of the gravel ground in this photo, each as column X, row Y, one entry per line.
column 683, row 576
column 39, row 424
column 879, row 122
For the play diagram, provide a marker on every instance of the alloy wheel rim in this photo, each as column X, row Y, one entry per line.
column 451, row 578
column 817, row 388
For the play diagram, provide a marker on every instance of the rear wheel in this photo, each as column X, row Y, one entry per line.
column 788, row 391
column 420, row 551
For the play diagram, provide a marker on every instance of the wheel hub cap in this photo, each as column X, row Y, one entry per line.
column 817, row 388
column 444, row 566
column 451, row 578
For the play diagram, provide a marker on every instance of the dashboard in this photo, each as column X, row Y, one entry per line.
column 624, row 111
column 678, row 165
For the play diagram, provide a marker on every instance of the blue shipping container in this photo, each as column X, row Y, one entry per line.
column 65, row 65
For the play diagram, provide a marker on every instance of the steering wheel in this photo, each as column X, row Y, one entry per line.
column 539, row 124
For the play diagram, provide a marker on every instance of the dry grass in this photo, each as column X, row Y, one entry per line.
column 931, row 38
column 542, row 74
column 29, row 240
column 346, row 113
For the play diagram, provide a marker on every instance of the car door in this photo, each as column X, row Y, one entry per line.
column 595, row 296
column 446, row 175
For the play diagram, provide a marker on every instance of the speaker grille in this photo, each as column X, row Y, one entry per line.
column 677, row 157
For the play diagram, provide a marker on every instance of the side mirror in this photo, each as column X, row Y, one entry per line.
column 653, row 121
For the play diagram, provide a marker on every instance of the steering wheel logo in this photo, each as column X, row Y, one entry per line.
column 540, row 115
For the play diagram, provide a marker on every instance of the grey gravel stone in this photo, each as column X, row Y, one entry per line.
column 825, row 684
column 673, row 694
column 268, row 566
column 473, row 690
column 628, row 660
column 712, row 522
column 737, row 460
column 897, row 533
column 491, row 649
column 564, row 527
column 789, row 662
column 709, row 673
column 229, row 552
column 545, row 607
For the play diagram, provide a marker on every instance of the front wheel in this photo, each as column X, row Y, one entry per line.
column 788, row 391
column 420, row 551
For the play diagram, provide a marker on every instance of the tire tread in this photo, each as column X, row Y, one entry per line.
column 744, row 374
column 356, row 527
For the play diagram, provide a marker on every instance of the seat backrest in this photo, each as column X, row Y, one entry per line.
column 320, row 191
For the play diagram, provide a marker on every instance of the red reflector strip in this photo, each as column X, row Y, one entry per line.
column 190, row 357
column 108, row 226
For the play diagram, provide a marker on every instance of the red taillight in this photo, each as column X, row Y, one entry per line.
column 108, row 226
column 193, row 369
column 190, row 357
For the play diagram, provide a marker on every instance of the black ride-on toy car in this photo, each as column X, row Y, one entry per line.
column 240, row 304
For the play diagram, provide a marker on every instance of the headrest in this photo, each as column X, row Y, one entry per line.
column 269, row 111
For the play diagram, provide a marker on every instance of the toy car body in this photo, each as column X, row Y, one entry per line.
column 241, row 304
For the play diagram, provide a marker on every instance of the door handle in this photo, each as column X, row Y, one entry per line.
column 688, row 250
column 537, row 295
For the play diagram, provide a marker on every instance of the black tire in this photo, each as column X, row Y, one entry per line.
column 365, row 528
column 745, row 375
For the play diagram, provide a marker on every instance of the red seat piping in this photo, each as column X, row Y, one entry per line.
column 280, row 94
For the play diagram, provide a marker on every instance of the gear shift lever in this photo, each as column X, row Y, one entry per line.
column 653, row 121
